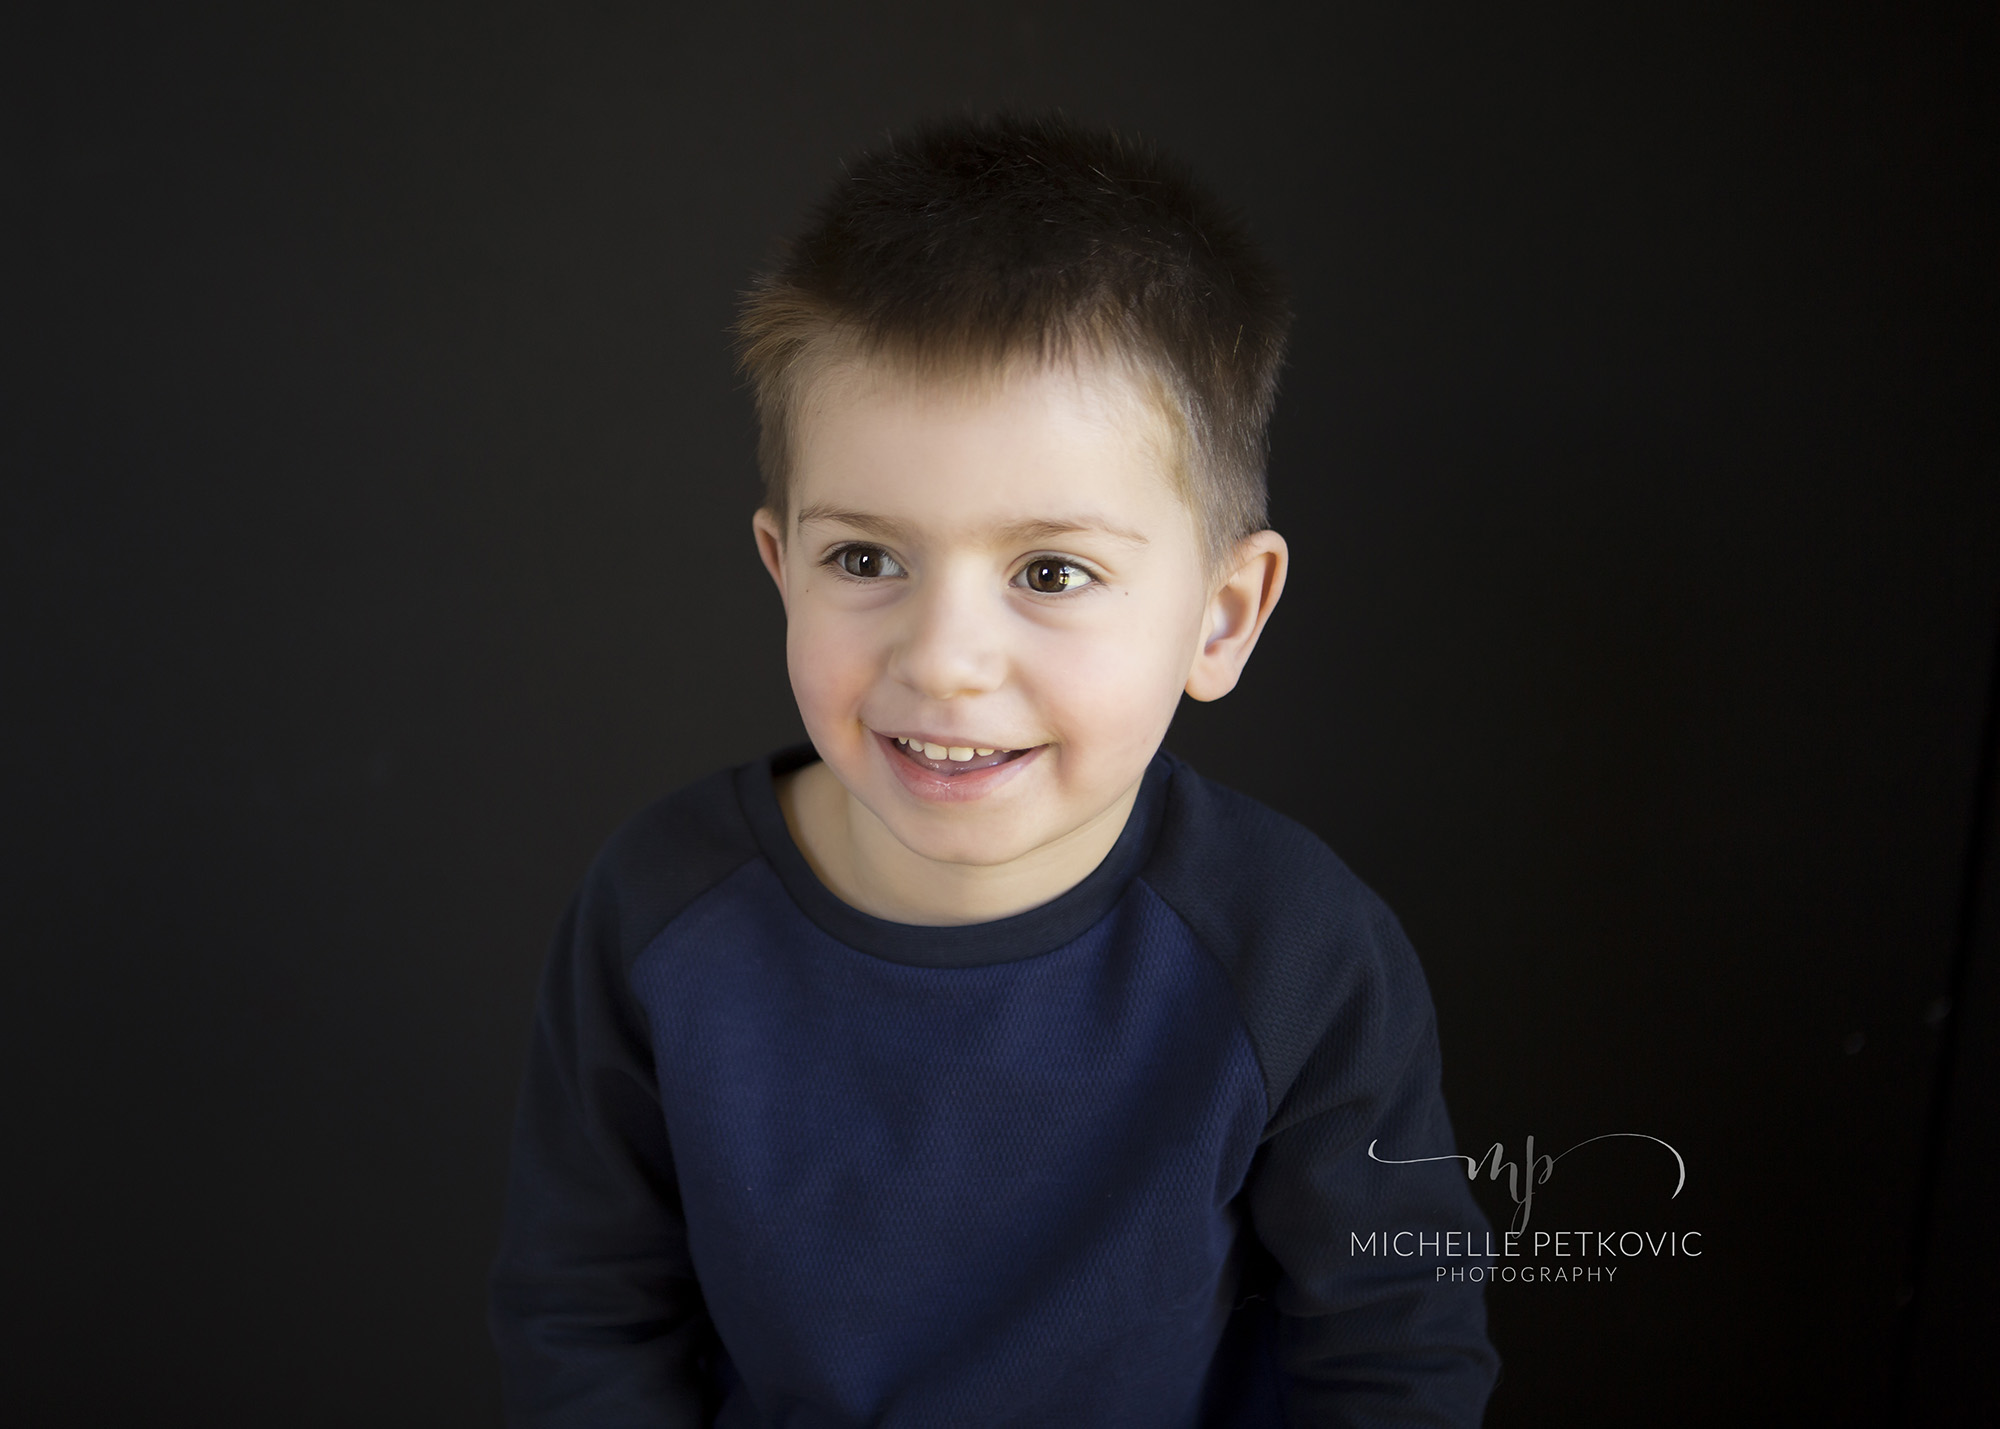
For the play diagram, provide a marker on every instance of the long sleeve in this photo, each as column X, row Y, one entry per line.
column 594, row 1307
column 1340, row 1015
column 1368, row 1336
column 593, row 1299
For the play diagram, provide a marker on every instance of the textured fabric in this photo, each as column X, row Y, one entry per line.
column 780, row 1163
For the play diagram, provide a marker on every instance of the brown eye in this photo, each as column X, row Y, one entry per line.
column 866, row 562
column 1049, row 576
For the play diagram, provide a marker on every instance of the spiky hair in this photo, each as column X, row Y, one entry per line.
column 965, row 246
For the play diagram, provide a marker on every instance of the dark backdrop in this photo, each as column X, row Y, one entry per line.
column 376, row 539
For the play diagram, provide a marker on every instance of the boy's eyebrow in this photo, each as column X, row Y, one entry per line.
column 1047, row 529
column 883, row 526
column 1015, row 532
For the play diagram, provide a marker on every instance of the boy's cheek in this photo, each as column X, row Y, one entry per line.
column 1109, row 715
column 829, row 707
column 828, row 657
column 1120, row 671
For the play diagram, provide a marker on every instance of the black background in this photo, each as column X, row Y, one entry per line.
column 376, row 519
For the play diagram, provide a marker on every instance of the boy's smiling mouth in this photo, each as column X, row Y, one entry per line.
column 949, row 760
column 951, row 780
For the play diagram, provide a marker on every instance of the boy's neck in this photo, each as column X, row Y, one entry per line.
column 867, row 867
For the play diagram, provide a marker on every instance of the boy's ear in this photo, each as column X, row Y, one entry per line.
column 770, row 530
column 1236, row 615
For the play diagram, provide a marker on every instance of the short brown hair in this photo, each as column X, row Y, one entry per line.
column 970, row 245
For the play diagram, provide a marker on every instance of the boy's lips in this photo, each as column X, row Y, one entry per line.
column 943, row 778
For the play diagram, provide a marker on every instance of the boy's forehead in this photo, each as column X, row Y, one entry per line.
column 1048, row 443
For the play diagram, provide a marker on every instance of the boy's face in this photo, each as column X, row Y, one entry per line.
column 994, row 599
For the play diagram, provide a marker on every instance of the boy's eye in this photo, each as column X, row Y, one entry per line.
column 866, row 562
column 1051, row 575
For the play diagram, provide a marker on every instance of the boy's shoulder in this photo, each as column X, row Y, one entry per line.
column 1232, row 852
column 1310, row 949
column 1242, row 873
column 666, row 856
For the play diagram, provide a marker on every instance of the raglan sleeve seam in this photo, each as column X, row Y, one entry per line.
column 595, row 1308
column 1368, row 1341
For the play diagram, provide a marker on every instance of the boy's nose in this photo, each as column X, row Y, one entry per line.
column 954, row 642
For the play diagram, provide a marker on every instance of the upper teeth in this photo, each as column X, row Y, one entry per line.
column 945, row 751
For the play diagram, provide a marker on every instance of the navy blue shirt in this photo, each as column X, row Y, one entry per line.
column 1103, row 1163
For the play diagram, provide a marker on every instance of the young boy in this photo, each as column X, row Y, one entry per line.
column 982, row 1064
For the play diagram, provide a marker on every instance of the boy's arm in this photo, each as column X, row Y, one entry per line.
column 595, row 1310
column 1340, row 1016
column 1368, row 1336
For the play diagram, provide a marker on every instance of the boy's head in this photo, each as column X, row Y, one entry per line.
column 1014, row 382
column 968, row 249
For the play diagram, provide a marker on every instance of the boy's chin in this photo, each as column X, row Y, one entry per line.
column 993, row 844
column 979, row 836
column 977, row 833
